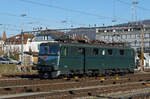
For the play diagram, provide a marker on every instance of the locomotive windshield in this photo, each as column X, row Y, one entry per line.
column 49, row 49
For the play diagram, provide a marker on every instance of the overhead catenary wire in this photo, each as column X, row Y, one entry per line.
column 27, row 17
column 39, row 20
column 63, row 8
column 66, row 9
column 71, row 10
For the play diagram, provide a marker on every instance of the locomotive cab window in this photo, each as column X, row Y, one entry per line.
column 46, row 49
column 110, row 51
column 95, row 52
column 121, row 52
column 53, row 50
column 43, row 49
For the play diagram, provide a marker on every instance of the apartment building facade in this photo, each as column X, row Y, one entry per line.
column 131, row 35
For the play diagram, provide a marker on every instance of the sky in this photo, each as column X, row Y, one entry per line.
column 59, row 14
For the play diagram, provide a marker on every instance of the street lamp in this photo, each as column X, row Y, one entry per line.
column 2, row 42
column 135, row 3
column 142, row 48
column 3, row 38
column 22, row 40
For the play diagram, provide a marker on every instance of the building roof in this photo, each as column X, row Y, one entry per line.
column 56, row 34
column 17, row 38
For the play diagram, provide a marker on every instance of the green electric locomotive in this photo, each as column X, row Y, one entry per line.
column 57, row 59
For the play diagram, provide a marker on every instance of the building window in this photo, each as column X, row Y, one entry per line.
column 17, row 42
column 119, row 30
column 138, row 35
column 45, row 37
column 114, row 30
column 133, row 35
column 109, row 30
column 124, row 36
column 101, row 31
column 50, row 37
column 146, row 44
column 128, row 36
column 128, row 29
column 106, row 37
column 109, row 36
column 125, row 30
column 146, row 35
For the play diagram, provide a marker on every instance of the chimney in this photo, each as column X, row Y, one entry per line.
column 4, row 36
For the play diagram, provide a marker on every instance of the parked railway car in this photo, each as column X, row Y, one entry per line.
column 57, row 59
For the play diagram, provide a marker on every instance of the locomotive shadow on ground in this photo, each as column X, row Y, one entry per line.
column 33, row 76
column 29, row 76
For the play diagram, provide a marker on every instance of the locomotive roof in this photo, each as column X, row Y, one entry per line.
column 87, row 45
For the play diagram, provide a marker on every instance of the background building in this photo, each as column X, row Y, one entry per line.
column 131, row 35
column 31, row 43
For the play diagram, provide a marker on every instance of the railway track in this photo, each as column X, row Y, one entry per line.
column 68, row 93
column 27, row 88
column 33, row 81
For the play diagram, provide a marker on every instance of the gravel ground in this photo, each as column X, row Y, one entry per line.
column 120, row 95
